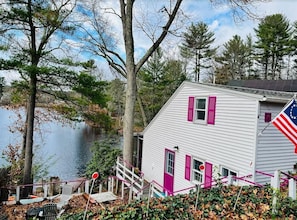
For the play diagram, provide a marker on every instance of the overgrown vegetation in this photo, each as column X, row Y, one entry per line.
column 215, row 203
column 104, row 156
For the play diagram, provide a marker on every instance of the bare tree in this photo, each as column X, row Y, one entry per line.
column 101, row 41
column 124, row 65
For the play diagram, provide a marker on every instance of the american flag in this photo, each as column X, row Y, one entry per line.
column 286, row 122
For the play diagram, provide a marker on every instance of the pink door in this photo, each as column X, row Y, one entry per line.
column 169, row 171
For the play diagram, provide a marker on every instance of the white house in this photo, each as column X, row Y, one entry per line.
column 204, row 130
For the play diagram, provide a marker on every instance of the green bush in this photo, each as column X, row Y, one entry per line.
column 104, row 157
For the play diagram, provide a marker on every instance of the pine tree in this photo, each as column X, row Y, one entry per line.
column 294, row 49
column 196, row 45
column 235, row 59
column 273, row 45
column 158, row 79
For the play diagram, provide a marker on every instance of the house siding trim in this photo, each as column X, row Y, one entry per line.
column 256, row 135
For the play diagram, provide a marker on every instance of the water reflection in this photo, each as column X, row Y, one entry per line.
column 69, row 146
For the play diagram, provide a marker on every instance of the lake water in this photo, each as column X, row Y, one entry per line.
column 68, row 146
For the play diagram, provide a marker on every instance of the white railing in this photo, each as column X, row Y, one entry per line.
column 156, row 190
column 132, row 176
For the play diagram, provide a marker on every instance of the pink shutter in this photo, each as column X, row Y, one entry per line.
column 191, row 108
column 188, row 168
column 208, row 175
column 211, row 110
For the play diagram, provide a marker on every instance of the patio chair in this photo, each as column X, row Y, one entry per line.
column 50, row 211
column 65, row 196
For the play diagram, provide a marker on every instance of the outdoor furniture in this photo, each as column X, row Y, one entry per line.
column 65, row 196
column 33, row 212
column 3, row 217
column 50, row 211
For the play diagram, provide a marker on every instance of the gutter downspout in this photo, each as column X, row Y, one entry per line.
column 256, row 134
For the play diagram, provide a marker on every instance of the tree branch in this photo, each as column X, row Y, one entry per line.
column 161, row 37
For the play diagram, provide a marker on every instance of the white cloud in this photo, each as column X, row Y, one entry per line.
column 214, row 25
column 218, row 17
column 221, row 21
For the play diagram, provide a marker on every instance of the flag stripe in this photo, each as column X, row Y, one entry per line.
column 286, row 122
column 288, row 135
column 284, row 128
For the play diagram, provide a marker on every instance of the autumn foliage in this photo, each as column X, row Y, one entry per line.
column 215, row 203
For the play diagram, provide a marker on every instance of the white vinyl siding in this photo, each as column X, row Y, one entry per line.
column 274, row 150
column 230, row 141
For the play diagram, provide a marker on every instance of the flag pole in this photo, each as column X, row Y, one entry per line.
column 269, row 123
column 261, row 132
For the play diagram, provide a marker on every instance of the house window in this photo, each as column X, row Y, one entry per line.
column 170, row 163
column 267, row 117
column 197, row 173
column 228, row 172
column 200, row 110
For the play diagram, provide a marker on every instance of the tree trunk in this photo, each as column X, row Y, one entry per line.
column 24, row 138
column 127, row 17
column 27, row 178
column 132, row 69
column 29, row 135
column 129, row 118
column 143, row 116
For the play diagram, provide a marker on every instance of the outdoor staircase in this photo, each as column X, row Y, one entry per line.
column 145, row 190
column 132, row 178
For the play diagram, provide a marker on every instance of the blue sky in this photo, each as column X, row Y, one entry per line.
column 218, row 17
column 221, row 21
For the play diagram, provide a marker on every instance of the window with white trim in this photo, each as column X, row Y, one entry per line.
column 228, row 172
column 169, row 163
column 197, row 173
column 200, row 109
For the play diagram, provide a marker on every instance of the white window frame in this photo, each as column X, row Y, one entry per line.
column 229, row 171
column 196, row 109
column 170, row 163
column 197, row 171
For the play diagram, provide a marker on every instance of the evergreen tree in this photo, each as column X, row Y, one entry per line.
column 196, row 45
column 116, row 93
column 273, row 45
column 294, row 50
column 110, row 148
column 251, row 72
column 125, row 64
column 32, row 32
column 235, row 59
column 158, row 79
